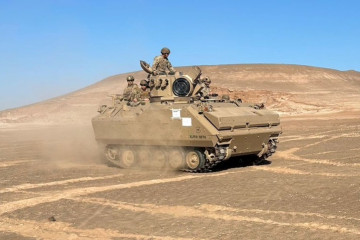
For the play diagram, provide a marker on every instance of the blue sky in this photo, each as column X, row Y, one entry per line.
column 52, row 47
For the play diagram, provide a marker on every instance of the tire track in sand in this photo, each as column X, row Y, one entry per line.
column 71, row 193
column 191, row 212
column 13, row 163
column 27, row 186
column 215, row 208
column 285, row 170
column 289, row 155
column 61, row 230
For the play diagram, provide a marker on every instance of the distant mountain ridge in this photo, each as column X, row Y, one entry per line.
column 304, row 89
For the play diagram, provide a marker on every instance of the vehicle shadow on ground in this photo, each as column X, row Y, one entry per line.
column 239, row 162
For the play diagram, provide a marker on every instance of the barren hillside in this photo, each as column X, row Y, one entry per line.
column 288, row 89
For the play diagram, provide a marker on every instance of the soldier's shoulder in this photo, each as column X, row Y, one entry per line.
column 135, row 86
column 157, row 58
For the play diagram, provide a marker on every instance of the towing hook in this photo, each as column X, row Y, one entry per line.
column 264, row 150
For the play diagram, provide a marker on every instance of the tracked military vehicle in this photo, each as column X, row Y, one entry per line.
column 181, row 129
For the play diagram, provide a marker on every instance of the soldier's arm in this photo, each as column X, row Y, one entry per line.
column 155, row 65
column 170, row 67
column 136, row 94
column 126, row 94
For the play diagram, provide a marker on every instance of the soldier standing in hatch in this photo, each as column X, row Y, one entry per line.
column 162, row 64
column 131, row 92
column 144, row 90
column 205, row 83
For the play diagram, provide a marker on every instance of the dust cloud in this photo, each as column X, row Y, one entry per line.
column 66, row 146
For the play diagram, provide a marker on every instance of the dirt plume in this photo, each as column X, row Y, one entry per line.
column 63, row 146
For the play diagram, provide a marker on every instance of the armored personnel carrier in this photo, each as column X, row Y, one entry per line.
column 180, row 128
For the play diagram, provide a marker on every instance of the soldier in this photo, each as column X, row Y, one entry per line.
column 144, row 90
column 131, row 92
column 162, row 63
column 205, row 92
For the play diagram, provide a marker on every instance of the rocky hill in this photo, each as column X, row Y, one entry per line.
column 288, row 89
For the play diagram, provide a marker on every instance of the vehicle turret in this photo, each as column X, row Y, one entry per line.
column 173, row 87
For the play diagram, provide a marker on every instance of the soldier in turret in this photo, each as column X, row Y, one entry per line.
column 162, row 64
column 144, row 90
column 131, row 92
column 205, row 83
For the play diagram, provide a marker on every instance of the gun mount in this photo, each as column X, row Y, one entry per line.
column 173, row 87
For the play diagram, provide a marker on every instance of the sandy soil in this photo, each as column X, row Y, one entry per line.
column 53, row 185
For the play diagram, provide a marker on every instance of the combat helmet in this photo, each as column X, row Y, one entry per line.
column 207, row 80
column 143, row 82
column 165, row 50
column 130, row 78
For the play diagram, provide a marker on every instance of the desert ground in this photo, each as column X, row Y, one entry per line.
column 55, row 186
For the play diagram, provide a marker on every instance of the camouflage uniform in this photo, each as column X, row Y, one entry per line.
column 205, row 92
column 205, row 83
column 144, row 94
column 131, row 92
column 162, row 64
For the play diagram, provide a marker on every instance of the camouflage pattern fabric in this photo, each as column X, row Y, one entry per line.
column 205, row 92
column 145, row 94
column 131, row 93
column 162, row 64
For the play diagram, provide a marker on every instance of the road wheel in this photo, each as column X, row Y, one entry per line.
column 112, row 154
column 127, row 158
column 143, row 157
column 176, row 159
column 195, row 160
column 159, row 159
